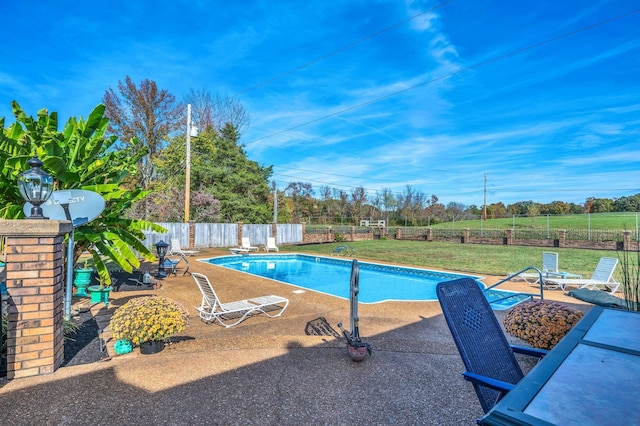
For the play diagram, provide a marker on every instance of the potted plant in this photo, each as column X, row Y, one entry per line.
column 541, row 323
column 100, row 292
column 148, row 322
column 82, row 278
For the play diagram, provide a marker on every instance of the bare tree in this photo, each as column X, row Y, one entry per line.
column 143, row 117
column 216, row 111
column 358, row 198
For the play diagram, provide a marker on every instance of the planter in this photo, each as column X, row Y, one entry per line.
column 153, row 347
column 81, row 279
column 357, row 354
column 99, row 295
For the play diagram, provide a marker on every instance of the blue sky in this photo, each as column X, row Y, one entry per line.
column 541, row 97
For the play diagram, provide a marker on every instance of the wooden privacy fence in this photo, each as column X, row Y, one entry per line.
column 207, row 235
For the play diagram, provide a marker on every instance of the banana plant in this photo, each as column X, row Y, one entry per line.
column 81, row 156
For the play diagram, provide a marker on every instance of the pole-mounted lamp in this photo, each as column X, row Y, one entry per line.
column 35, row 187
column 161, row 248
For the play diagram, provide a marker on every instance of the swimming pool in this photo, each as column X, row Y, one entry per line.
column 378, row 283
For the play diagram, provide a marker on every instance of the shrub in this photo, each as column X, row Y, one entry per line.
column 541, row 323
column 147, row 319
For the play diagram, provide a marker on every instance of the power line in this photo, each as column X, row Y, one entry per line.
column 454, row 73
column 342, row 49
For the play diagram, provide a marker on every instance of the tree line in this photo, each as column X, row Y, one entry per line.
column 149, row 125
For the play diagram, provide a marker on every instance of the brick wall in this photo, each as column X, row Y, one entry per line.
column 35, row 287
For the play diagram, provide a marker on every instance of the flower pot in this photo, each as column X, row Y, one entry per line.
column 81, row 279
column 357, row 354
column 153, row 347
column 99, row 295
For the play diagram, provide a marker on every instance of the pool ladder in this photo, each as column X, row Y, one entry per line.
column 531, row 295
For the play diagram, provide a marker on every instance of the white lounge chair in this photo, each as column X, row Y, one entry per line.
column 549, row 270
column 233, row 313
column 175, row 250
column 246, row 244
column 602, row 277
column 271, row 245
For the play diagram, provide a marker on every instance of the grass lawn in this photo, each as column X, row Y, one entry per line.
column 471, row 258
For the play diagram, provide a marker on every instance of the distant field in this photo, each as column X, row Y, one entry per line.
column 623, row 221
column 473, row 258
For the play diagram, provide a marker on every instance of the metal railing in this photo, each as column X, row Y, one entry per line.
column 531, row 295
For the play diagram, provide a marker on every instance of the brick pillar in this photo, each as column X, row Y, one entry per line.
column 429, row 234
column 508, row 240
column 35, row 286
column 562, row 238
column 398, row 234
column 626, row 240
column 466, row 233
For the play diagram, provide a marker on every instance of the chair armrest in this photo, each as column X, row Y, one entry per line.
column 525, row 350
column 488, row 381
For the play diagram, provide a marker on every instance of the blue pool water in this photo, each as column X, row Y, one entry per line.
column 331, row 276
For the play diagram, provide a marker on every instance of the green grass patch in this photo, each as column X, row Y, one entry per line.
column 471, row 258
column 621, row 221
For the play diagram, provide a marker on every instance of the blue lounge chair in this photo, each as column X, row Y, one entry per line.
column 487, row 356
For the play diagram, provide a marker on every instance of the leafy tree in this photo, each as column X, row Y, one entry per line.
column 627, row 204
column 79, row 157
column 301, row 194
column 598, row 205
column 496, row 210
column 143, row 117
column 220, row 167
column 555, row 207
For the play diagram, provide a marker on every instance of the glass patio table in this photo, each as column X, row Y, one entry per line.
column 591, row 377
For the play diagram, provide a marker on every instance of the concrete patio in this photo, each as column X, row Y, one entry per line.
column 288, row 370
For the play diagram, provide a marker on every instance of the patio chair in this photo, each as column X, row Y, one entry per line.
column 343, row 251
column 271, row 245
column 175, row 250
column 246, row 244
column 233, row 313
column 549, row 269
column 602, row 277
column 487, row 356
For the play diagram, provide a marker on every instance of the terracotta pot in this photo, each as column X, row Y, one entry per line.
column 357, row 354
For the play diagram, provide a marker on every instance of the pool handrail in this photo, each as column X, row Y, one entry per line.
column 531, row 295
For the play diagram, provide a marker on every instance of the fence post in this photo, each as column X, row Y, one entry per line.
column 240, row 234
column 353, row 233
column 192, row 234
column 274, row 231
column 429, row 234
column 398, row 234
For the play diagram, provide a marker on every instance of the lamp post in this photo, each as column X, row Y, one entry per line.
column 35, row 187
column 161, row 248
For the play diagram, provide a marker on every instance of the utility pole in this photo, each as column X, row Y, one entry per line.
column 484, row 207
column 275, row 202
column 187, row 176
